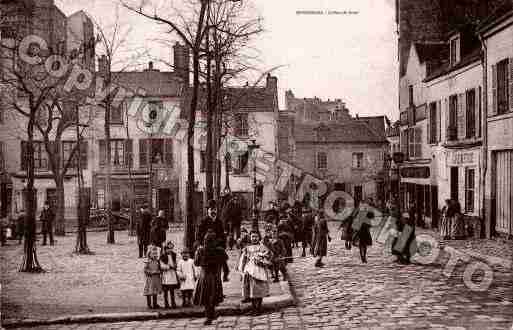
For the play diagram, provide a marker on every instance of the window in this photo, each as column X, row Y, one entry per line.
column 241, row 124
column 100, row 198
column 414, row 137
column 357, row 159
column 469, row 189
column 40, row 156
column 471, row 114
column 502, row 87
column 203, row 155
column 433, row 123
column 120, row 152
column 322, row 161
column 2, row 156
column 116, row 115
column 241, row 164
column 452, row 128
column 455, row 51
column 410, row 95
column 159, row 150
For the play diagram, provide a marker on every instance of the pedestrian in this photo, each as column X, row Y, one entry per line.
column 363, row 236
column 143, row 230
column 169, row 275
column 347, row 227
column 306, row 229
column 255, row 264
column 163, row 223
column 457, row 221
column 47, row 217
column 209, row 289
column 286, row 233
column 279, row 252
column 157, row 234
column 445, row 225
column 320, row 238
column 20, row 226
column 187, row 275
column 153, row 285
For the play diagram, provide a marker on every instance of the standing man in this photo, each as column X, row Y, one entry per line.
column 47, row 218
column 20, row 226
column 306, row 228
column 212, row 223
column 143, row 230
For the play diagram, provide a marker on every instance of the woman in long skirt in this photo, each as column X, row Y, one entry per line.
column 321, row 236
column 209, row 289
column 445, row 225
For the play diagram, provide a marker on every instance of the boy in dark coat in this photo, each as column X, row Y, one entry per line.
column 47, row 218
column 143, row 230
column 363, row 237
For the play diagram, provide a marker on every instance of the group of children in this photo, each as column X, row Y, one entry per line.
column 164, row 275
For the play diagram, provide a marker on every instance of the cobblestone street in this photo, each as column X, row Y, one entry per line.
column 381, row 294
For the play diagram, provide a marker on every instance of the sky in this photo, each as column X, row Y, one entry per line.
column 348, row 56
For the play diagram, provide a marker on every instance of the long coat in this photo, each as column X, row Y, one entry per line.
column 144, row 227
column 217, row 227
column 47, row 218
column 320, row 238
column 209, row 289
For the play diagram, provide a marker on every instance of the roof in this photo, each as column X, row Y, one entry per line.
column 431, row 51
column 239, row 99
column 347, row 132
column 155, row 83
column 506, row 9
column 445, row 68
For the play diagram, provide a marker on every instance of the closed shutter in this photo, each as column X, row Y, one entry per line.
column 439, row 120
column 511, row 83
column 479, row 109
column 503, row 192
column 418, row 142
column 128, row 157
column 447, row 118
column 103, row 152
column 168, row 152
column 462, row 106
column 429, row 123
column 24, row 155
column 83, row 154
column 493, row 107
column 404, row 142
column 143, row 152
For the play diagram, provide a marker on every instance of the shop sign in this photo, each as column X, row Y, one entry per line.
column 461, row 158
column 415, row 172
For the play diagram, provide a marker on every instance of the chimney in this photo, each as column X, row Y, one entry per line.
column 271, row 83
column 102, row 64
column 150, row 66
column 181, row 61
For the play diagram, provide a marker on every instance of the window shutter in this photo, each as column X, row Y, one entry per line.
column 83, row 155
column 429, row 123
column 24, row 155
column 447, row 118
column 462, row 107
column 103, row 152
column 439, row 120
column 478, row 109
column 129, row 161
column 511, row 83
column 168, row 152
column 493, row 111
column 143, row 152
column 418, row 142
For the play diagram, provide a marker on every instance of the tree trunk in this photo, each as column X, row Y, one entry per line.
column 209, row 166
column 60, row 226
column 190, row 219
column 108, row 165
column 83, row 216
column 30, row 262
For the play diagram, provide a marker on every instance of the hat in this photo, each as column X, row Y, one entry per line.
column 211, row 204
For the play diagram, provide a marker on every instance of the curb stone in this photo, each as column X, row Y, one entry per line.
column 269, row 304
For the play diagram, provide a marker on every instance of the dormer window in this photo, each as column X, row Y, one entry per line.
column 455, row 50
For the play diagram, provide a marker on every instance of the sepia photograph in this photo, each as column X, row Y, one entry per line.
column 256, row 164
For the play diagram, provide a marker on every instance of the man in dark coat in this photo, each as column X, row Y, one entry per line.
column 306, row 229
column 47, row 218
column 212, row 223
column 286, row 233
column 143, row 230
column 232, row 218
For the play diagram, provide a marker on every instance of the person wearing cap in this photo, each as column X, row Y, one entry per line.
column 306, row 229
column 143, row 230
column 47, row 217
column 212, row 223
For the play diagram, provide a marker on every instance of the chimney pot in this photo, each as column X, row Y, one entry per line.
column 150, row 66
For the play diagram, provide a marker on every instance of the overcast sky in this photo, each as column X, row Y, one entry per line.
column 347, row 56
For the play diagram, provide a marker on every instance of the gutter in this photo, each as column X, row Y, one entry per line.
column 484, row 132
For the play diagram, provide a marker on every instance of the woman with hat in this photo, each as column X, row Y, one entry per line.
column 321, row 236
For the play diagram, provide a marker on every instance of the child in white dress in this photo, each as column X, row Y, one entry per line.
column 188, row 275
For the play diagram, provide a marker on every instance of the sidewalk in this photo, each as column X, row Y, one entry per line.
column 105, row 287
column 493, row 251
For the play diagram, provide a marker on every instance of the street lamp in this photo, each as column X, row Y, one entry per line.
column 251, row 148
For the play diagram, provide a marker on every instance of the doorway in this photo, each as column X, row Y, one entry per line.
column 165, row 202
column 454, row 183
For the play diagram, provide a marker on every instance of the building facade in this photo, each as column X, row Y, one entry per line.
column 497, row 36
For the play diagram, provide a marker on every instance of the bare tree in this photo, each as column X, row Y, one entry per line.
column 189, row 25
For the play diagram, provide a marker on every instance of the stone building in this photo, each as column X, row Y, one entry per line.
column 497, row 35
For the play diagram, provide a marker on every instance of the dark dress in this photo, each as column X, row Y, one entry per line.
column 216, row 226
column 285, row 232
column 144, row 227
column 209, row 289
column 363, row 236
column 307, row 226
column 320, row 239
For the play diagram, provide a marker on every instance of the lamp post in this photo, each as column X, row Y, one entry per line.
column 251, row 148
column 149, row 124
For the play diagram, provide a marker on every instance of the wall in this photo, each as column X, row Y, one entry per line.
column 415, row 73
